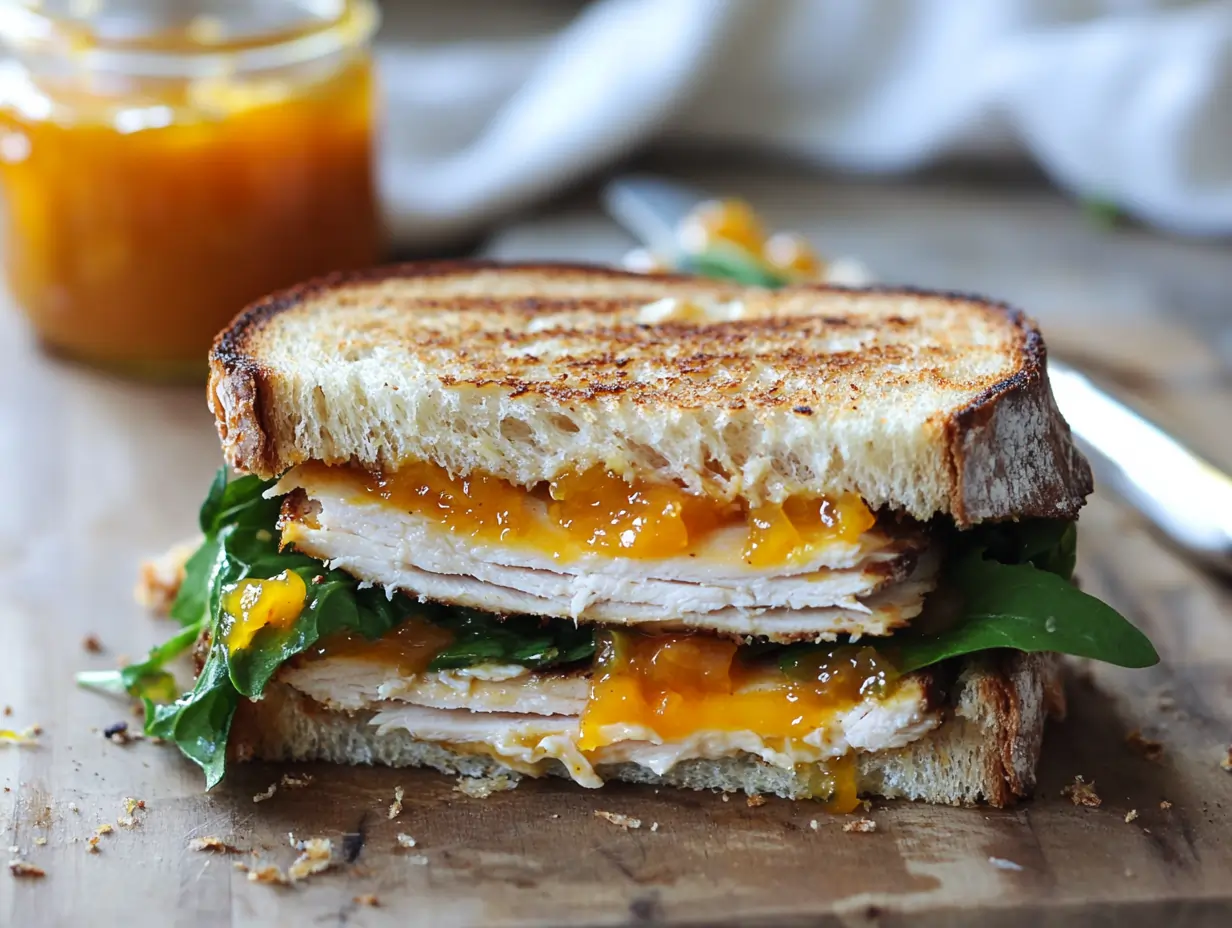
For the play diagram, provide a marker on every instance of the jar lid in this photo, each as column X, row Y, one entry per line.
column 186, row 39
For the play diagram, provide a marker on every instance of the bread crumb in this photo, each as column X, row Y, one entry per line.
column 24, row 868
column 118, row 733
column 483, row 787
column 726, row 798
column 862, row 826
column 1226, row 761
column 264, row 873
column 103, row 829
column 755, row 801
column 316, row 856
column 92, row 841
column 40, row 841
column 212, row 843
column 815, row 825
column 1082, row 793
column 91, row 644
column 25, row 736
column 1002, row 864
column 1165, row 804
column 395, row 807
column 1131, row 815
column 261, row 797
column 368, row 899
column 654, row 826
column 295, row 780
column 624, row 821
column 129, row 818
column 159, row 578
column 406, row 841
column 1146, row 747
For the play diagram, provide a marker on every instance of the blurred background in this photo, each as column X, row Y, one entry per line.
column 165, row 163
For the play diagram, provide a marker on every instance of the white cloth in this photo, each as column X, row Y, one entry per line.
column 1128, row 101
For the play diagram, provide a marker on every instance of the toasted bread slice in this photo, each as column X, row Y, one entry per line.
column 986, row 749
column 928, row 403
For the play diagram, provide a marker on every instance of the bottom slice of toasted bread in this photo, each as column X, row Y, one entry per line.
column 985, row 750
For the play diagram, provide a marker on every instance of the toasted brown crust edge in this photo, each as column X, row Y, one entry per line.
column 1057, row 486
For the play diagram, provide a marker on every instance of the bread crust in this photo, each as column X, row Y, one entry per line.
column 1003, row 452
column 986, row 750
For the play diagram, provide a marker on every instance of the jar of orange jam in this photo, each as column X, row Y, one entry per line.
column 165, row 162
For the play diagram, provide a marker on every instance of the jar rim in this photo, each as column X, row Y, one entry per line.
column 26, row 30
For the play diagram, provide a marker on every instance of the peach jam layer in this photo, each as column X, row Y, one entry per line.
column 677, row 685
column 599, row 512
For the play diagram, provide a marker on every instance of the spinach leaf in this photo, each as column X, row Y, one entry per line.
column 146, row 679
column 1022, row 607
column 241, row 543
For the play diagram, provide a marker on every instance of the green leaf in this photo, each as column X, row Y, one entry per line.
column 192, row 600
column 146, row 679
column 200, row 721
column 730, row 262
column 1022, row 607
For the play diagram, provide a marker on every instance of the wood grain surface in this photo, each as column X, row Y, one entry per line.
column 99, row 472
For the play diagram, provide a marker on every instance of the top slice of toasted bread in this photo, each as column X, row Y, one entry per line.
column 925, row 402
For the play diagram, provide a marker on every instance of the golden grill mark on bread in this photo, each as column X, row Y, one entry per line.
column 927, row 402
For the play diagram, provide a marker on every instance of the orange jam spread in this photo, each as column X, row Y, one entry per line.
column 598, row 511
column 142, row 215
column 678, row 685
column 409, row 646
column 252, row 605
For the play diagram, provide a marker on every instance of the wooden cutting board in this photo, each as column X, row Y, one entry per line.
column 99, row 472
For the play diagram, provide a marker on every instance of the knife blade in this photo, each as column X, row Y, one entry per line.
column 1187, row 499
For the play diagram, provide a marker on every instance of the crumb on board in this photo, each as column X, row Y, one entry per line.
column 1226, row 761
column 316, row 856
column 815, row 825
column 28, row 735
column 1131, row 815
column 726, row 798
column 264, row 873
column 406, row 841
column 755, row 800
column 131, row 807
column 368, row 899
column 40, row 841
column 212, row 843
column 72, row 807
column 861, row 826
column 295, row 780
column 654, row 826
column 1165, row 804
column 1002, row 863
column 1082, row 793
column 261, row 797
column 91, row 645
column 92, row 844
column 118, row 733
column 24, row 868
column 395, row 807
column 103, row 829
column 483, row 787
column 623, row 821
column 1143, row 746
column 159, row 578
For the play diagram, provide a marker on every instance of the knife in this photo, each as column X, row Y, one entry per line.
column 1185, row 498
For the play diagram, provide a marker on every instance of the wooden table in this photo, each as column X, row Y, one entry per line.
column 99, row 472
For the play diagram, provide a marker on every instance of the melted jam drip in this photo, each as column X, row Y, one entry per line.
column 253, row 605
column 409, row 646
column 677, row 685
column 598, row 511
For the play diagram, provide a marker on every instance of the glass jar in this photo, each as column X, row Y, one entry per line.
column 165, row 163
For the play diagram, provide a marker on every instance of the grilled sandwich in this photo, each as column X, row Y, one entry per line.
column 564, row 520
